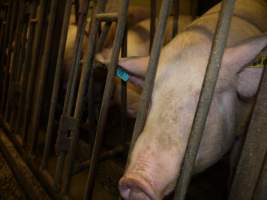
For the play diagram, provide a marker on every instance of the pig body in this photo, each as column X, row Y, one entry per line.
column 157, row 156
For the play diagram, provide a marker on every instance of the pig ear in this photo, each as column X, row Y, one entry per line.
column 235, row 58
column 136, row 67
column 235, row 63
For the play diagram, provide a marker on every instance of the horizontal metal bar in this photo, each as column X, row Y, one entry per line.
column 107, row 17
column 205, row 99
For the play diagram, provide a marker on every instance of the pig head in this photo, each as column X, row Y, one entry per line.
column 138, row 45
column 155, row 162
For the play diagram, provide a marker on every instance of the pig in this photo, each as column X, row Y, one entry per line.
column 155, row 161
column 138, row 45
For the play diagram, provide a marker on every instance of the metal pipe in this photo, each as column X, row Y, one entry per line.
column 4, row 58
column 86, row 72
column 56, row 84
column 251, row 161
column 107, row 94
column 205, row 99
column 19, row 65
column 26, row 64
column 151, row 72
column 107, row 17
column 153, row 20
column 13, row 66
column 42, row 76
column 33, row 68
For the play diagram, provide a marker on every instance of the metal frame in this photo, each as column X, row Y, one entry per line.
column 19, row 76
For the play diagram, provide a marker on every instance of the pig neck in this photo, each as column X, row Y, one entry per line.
column 160, row 148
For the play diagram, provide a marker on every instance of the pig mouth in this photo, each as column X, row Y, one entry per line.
column 133, row 187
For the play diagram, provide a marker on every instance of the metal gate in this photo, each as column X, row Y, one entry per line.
column 33, row 37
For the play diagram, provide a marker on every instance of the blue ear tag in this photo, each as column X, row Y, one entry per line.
column 122, row 74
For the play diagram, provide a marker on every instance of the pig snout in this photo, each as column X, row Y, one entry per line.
column 133, row 187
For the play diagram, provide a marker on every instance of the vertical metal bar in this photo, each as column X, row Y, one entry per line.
column 13, row 66
column 8, row 33
column 106, row 98
column 124, row 91
column 19, row 66
column 176, row 7
column 33, row 68
column 77, row 8
column 73, row 73
column 151, row 73
column 205, row 98
column 260, row 191
column 153, row 20
column 254, row 152
column 86, row 72
column 42, row 76
column 26, row 64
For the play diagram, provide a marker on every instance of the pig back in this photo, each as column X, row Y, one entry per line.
column 249, row 19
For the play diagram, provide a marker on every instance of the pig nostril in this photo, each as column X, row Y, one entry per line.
column 137, row 194
column 134, row 188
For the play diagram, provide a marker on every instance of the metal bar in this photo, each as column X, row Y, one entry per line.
column 176, row 8
column 19, row 65
column 123, row 108
column 8, row 32
column 25, row 67
column 107, row 17
column 13, row 66
column 57, row 77
column 37, row 44
column 106, row 155
column 42, row 76
column 102, row 37
column 261, row 192
column 151, row 72
column 74, row 74
column 86, row 72
column 77, row 8
column 106, row 98
column 205, row 99
column 153, row 20
column 254, row 151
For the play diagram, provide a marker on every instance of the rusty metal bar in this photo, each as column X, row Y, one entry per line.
column 86, row 72
column 153, row 20
column 25, row 67
column 106, row 98
column 254, row 152
column 205, row 99
column 37, row 44
column 151, row 72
